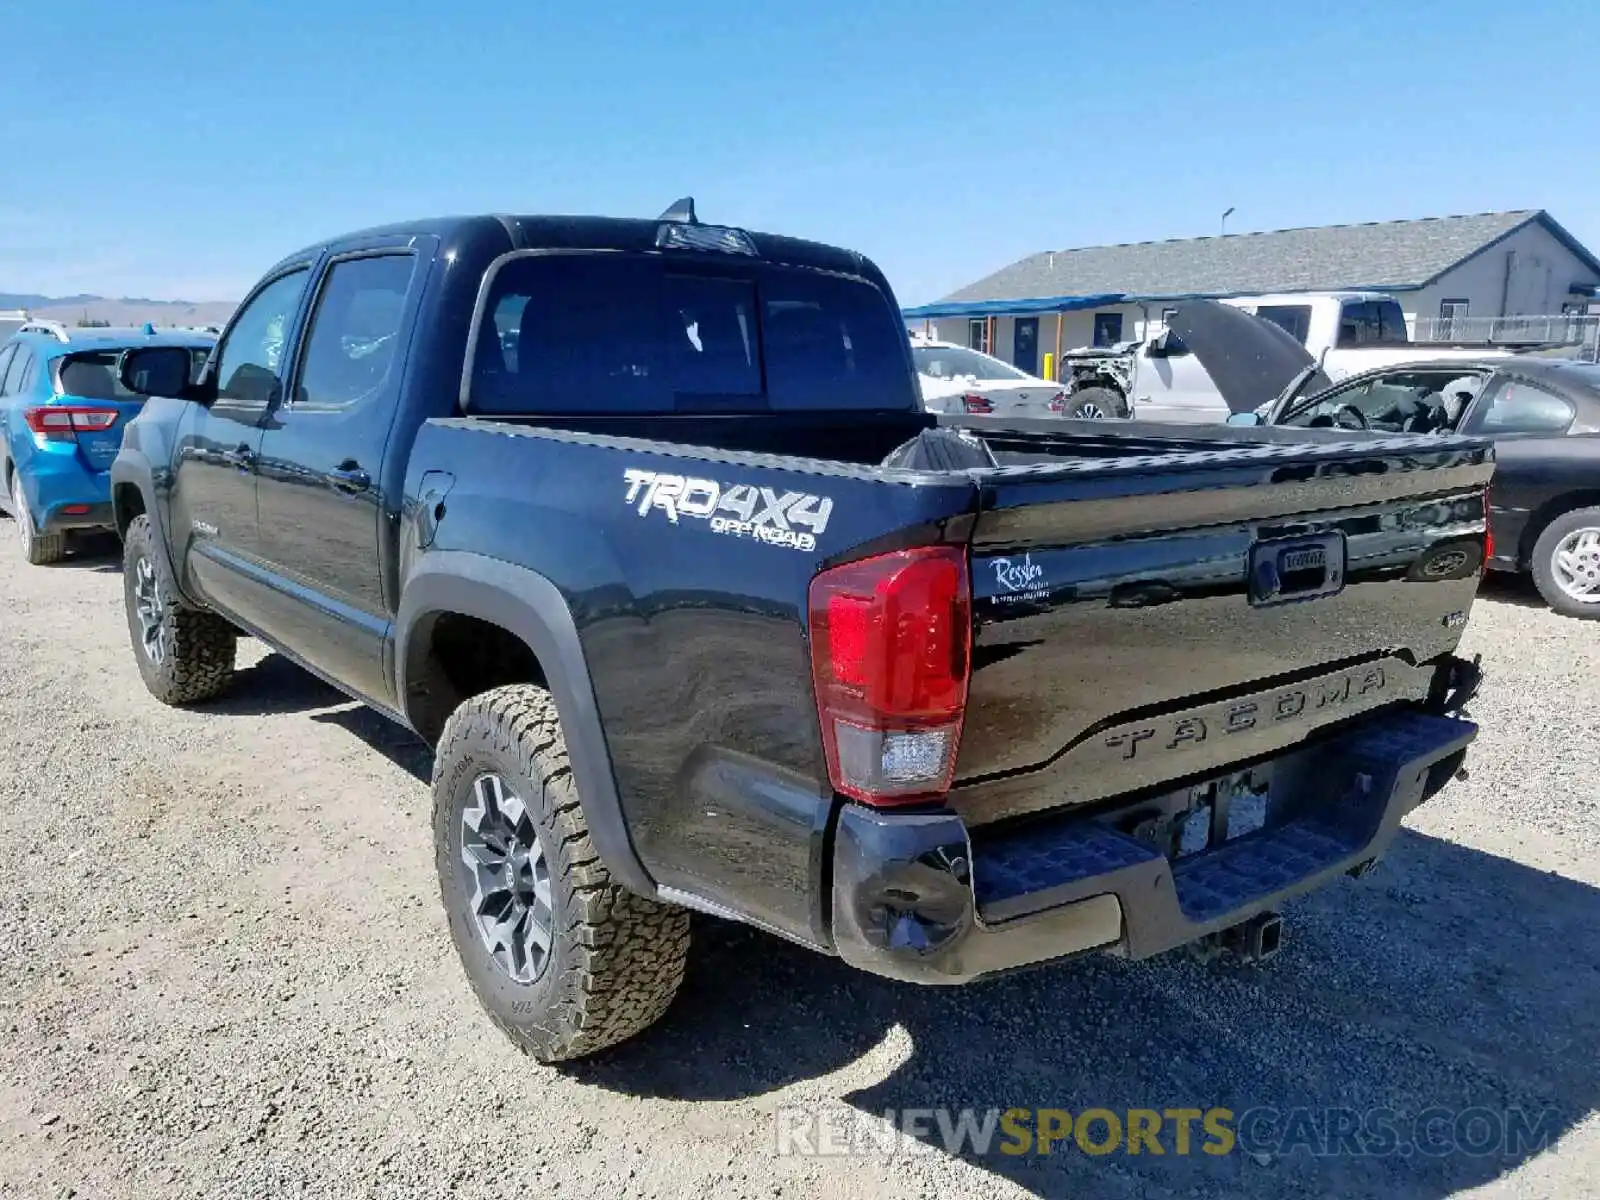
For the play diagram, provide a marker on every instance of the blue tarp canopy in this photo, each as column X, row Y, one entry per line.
column 1010, row 308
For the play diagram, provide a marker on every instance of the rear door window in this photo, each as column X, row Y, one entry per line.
column 1293, row 319
column 606, row 333
column 21, row 362
column 350, row 347
column 1371, row 323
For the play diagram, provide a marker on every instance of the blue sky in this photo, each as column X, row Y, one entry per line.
column 175, row 149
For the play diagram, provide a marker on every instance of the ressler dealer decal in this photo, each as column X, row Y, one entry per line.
column 1019, row 579
column 792, row 519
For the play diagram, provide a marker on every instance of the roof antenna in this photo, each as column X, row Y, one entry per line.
column 681, row 211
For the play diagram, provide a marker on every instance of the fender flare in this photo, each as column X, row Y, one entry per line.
column 132, row 469
column 528, row 605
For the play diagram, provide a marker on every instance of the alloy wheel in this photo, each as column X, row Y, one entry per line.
column 509, row 879
column 150, row 608
column 1575, row 565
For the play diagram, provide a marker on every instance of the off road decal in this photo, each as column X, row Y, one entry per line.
column 792, row 519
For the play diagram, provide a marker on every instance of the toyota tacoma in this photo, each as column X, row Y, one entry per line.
column 641, row 525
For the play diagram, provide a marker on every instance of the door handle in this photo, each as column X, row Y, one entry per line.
column 349, row 478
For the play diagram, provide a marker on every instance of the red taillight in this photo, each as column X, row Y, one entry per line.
column 1488, row 533
column 890, row 647
column 1058, row 402
column 63, row 422
column 974, row 403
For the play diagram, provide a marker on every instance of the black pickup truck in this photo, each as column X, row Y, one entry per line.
column 642, row 525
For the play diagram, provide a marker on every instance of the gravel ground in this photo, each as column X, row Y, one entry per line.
column 223, row 972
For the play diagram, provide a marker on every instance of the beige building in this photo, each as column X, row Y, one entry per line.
column 1456, row 278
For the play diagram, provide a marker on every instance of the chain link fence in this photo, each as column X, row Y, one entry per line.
column 1567, row 329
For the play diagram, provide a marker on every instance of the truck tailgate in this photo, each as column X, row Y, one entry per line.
column 1143, row 619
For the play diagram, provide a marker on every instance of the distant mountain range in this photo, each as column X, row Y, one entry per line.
column 130, row 310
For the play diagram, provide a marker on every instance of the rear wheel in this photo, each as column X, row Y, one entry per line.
column 185, row 654
column 1566, row 563
column 40, row 549
column 1096, row 404
column 565, row 961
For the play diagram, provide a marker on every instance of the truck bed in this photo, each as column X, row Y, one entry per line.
column 1115, row 629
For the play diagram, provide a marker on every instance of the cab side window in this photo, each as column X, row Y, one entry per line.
column 1519, row 407
column 6, row 355
column 250, row 362
column 351, row 345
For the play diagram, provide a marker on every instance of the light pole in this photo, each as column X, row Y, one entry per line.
column 1226, row 214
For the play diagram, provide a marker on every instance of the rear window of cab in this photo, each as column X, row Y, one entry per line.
column 611, row 333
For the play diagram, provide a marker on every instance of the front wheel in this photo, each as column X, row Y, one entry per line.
column 566, row 961
column 185, row 654
column 1566, row 563
column 1097, row 404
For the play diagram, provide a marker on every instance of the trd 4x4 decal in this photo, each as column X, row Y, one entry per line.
column 792, row 519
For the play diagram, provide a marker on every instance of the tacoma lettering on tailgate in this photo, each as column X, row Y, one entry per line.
column 1363, row 684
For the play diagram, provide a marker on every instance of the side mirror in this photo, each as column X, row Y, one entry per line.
column 156, row 370
column 1245, row 418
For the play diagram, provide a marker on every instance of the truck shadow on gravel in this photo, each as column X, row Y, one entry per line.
column 1500, row 588
column 274, row 685
column 1448, row 980
column 399, row 745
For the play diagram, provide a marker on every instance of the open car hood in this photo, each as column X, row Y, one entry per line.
column 1251, row 361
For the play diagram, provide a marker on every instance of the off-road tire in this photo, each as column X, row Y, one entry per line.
column 1542, row 563
column 1113, row 403
column 200, row 645
column 615, row 959
column 40, row 549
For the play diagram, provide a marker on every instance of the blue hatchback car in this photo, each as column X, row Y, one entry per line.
column 62, row 412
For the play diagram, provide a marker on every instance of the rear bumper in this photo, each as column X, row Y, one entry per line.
column 916, row 898
column 56, row 479
column 93, row 516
